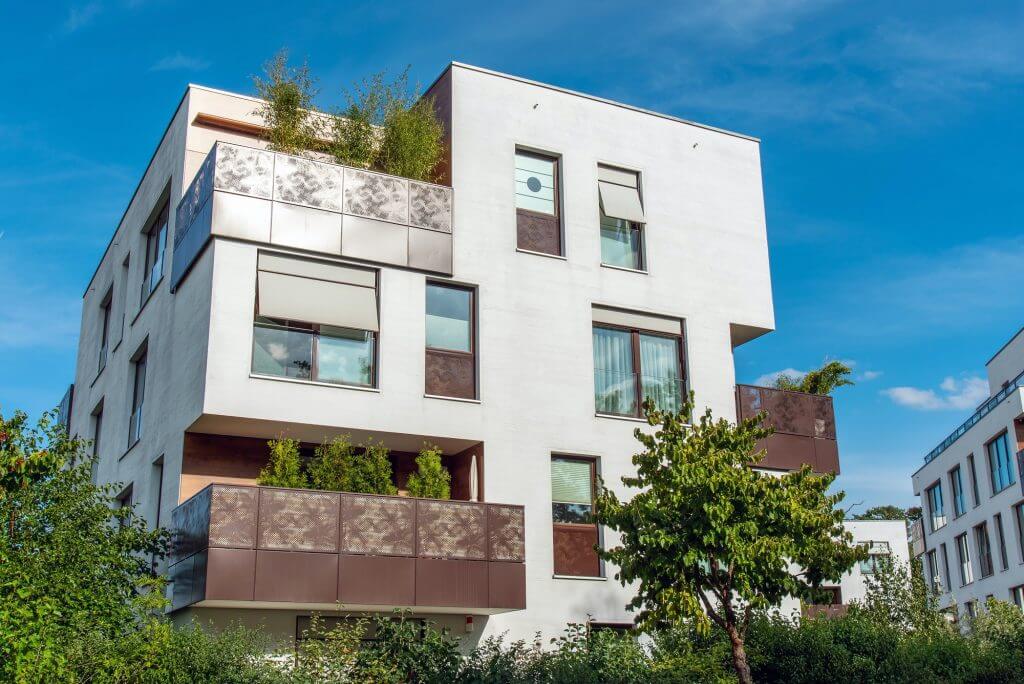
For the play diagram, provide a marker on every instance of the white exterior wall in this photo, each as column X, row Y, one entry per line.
column 894, row 532
column 1007, row 363
column 706, row 251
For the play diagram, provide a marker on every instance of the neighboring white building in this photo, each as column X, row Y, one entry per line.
column 579, row 254
column 970, row 535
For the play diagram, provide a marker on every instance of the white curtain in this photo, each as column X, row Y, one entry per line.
column 659, row 363
column 614, row 380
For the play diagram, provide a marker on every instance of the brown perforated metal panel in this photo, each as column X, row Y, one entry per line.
column 377, row 525
column 450, row 374
column 449, row 529
column 574, row 550
column 233, row 517
column 506, row 532
column 298, row 520
column 538, row 232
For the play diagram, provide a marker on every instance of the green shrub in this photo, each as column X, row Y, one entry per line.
column 332, row 461
column 370, row 472
column 287, row 109
column 431, row 479
column 284, row 468
column 412, row 141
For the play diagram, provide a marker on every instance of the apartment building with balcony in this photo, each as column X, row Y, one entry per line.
column 578, row 256
column 971, row 534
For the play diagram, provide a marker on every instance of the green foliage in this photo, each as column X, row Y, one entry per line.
column 287, row 108
column 370, row 472
column 821, row 381
column 332, row 462
column 431, row 479
column 412, row 141
column 285, row 466
column 71, row 563
column 705, row 533
column 883, row 513
column 897, row 596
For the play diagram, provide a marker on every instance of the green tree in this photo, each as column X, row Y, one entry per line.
column 370, row 472
column 287, row 109
column 820, row 381
column 72, row 564
column 284, row 468
column 332, row 462
column 431, row 479
column 888, row 512
column 709, row 539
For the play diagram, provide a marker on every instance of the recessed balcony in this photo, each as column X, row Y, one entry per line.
column 281, row 199
column 264, row 547
column 804, row 424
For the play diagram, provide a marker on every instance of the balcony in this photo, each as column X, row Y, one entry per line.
column 272, row 198
column 243, row 546
column 804, row 424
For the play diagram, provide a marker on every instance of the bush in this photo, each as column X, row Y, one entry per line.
column 285, row 466
column 370, row 472
column 431, row 479
column 287, row 109
column 332, row 462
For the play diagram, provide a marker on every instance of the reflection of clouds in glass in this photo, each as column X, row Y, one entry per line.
column 278, row 351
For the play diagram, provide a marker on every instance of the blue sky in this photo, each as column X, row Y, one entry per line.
column 892, row 138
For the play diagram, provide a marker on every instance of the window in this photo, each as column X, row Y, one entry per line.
column 1000, row 463
column 97, row 432
column 158, row 485
column 935, row 506
column 974, row 479
column 138, row 395
column 1018, row 514
column 946, row 582
column 963, row 554
column 450, row 362
column 622, row 218
column 124, row 500
column 636, row 357
column 105, row 328
column 538, row 225
column 1017, row 596
column 156, row 245
column 315, row 321
column 933, row 572
column 971, row 608
column 984, row 546
column 1001, row 541
column 878, row 554
column 957, row 486
column 572, row 505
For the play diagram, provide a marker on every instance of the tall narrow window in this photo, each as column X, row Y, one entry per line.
column 124, row 500
column 156, row 245
column 971, row 608
column 984, row 546
column 572, row 507
column 1001, row 541
column 124, row 294
column 538, row 225
column 138, row 395
column 450, row 362
column 315, row 320
column 1000, row 463
column 1018, row 514
column 936, row 507
column 957, row 486
column 947, row 581
column 974, row 478
column 158, row 486
column 963, row 555
column 622, row 218
column 97, row 434
column 1017, row 596
column 636, row 357
column 105, row 306
column 933, row 572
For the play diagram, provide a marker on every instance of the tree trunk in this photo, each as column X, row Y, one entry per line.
column 739, row 656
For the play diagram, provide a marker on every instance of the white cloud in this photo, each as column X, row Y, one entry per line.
column 955, row 394
column 868, row 376
column 768, row 379
column 180, row 62
column 80, row 16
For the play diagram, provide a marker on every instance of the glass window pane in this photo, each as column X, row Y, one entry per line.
column 578, row 514
column 535, row 183
column 620, row 243
column 659, row 369
column 614, row 378
column 286, row 352
column 449, row 318
column 571, row 481
column 345, row 356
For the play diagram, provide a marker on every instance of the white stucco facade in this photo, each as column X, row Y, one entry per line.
column 884, row 539
column 706, row 265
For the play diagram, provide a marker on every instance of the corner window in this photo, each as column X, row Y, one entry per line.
column 634, row 363
column 984, row 546
column 963, row 554
column 1000, row 463
column 936, row 507
column 139, row 363
column 622, row 218
column 572, row 505
column 156, row 246
column 538, row 223
column 315, row 320
column 957, row 486
column 450, row 361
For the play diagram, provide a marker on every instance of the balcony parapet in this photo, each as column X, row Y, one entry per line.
column 804, row 424
column 253, row 546
column 273, row 198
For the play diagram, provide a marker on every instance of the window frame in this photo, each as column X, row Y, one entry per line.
column 1002, row 437
column 106, row 311
column 937, row 485
column 963, row 557
column 1017, row 596
column 956, row 486
column 471, row 357
column 635, row 333
column 160, row 223
column 556, row 160
column 935, row 583
column 983, row 544
column 594, row 464
column 137, row 402
column 472, row 318
column 314, row 331
column 1004, row 558
column 947, row 579
column 641, row 231
column 973, row 472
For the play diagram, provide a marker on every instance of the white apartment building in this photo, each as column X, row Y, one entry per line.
column 579, row 255
column 971, row 536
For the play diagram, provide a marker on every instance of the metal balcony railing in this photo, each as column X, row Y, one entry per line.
column 804, row 427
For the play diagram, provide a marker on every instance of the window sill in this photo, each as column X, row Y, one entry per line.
column 142, row 307
column 459, row 399
column 542, row 254
column 98, row 374
column 631, row 419
column 640, row 271
column 129, row 449
column 581, row 578
column 997, row 493
column 316, row 383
